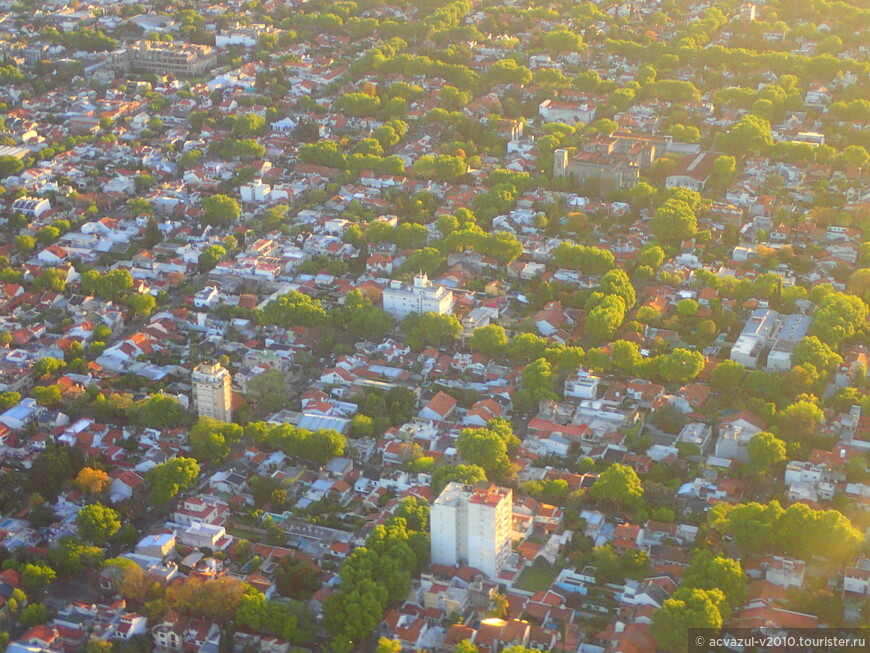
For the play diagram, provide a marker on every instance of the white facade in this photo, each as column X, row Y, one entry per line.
column 767, row 328
column 199, row 535
column 582, row 385
column 570, row 113
column 212, row 391
column 472, row 525
column 32, row 207
column 733, row 442
column 400, row 301
column 256, row 191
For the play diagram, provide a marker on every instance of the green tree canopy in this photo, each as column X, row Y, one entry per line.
column 618, row 484
column 469, row 474
column 97, row 523
column 169, row 478
column 687, row 608
column 490, row 340
column 708, row 571
column 220, row 210
column 765, row 451
column 838, row 317
column 674, row 221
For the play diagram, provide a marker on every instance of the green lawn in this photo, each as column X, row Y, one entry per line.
column 536, row 580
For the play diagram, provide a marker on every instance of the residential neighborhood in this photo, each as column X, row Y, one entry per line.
column 432, row 326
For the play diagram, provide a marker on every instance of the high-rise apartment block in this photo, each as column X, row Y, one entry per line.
column 471, row 524
column 212, row 391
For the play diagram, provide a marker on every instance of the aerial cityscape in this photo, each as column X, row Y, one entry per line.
column 474, row 326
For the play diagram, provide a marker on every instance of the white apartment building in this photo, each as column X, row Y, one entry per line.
column 212, row 391
column 582, row 385
column 423, row 297
column 201, row 535
column 472, row 525
column 767, row 328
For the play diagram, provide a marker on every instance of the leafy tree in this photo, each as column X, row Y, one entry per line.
column 354, row 614
column 111, row 286
column 708, row 571
column 603, row 321
column 626, row 355
column 669, row 419
column 9, row 399
column 362, row 426
column 799, row 420
column 487, row 449
column 141, row 303
column 36, row 577
column 616, row 282
column 260, row 615
column 216, row 599
column 99, row 646
column 92, row 481
column 47, row 395
column 652, row 256
column 859, row 284
column 804, row 532
column 538, row 379
column 211, row 440
column 838, row 317
column 508, row 71
column 48, row 367
column 752, row 525
column 248, row 125
column 765, row 451
column 220, row 210
column 169, row 478
column 33, row 615
column 618, row 484
column 590, row 260
column 490, row 340
column 325, row 153
column 681, row 365
column 362, row 318
column 210, row 256
column 468, row 474
column 267, row 391
column 440, row 167
column 427, row 260
column 429, row 328
column 297, row 580
column 157, row 411
column 358, row 104
column 25, row 243
column 388, row 646
column 189, row 159
column 687, row 608
column 53, row 280
column 749, row 136
column 53, row 468
column 140, row 206
column 722, row 173
column 687, row 307
column 685, row 133
column 562, row 40
column 727, row 376
column 9, row 165
column 674, row 221
column 97, row 523
column 71, row 555
column 817, row 353
column 292, row 309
